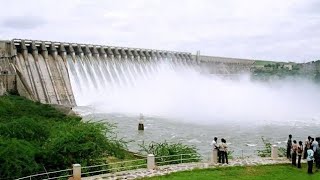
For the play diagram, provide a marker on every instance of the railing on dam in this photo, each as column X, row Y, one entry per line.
column 64, row 48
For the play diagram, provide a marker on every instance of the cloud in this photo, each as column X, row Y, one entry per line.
column 23, row 22
column 264, row 29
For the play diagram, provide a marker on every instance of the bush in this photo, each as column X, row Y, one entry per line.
column 84, row 143
column 13, row 107
column 266, row 152
column 17, row 158
column 36, row 137
column 25, row 128
column 282, row 152
column 230, row 154
column 171, row 153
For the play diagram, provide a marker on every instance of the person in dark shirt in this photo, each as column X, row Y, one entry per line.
column 225, row 150
column 289, row 146
column 316, row 150
column 306, row 147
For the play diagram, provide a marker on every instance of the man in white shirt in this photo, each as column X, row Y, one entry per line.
column 310, row 159
column 215, row 145
column 314, row 145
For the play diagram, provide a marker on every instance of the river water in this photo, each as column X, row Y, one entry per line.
column 243, row 138
column 182, row 104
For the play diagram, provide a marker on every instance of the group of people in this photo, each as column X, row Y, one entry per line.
column 221, row 148
column 310, row 151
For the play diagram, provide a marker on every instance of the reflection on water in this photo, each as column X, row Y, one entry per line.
column 242, row 137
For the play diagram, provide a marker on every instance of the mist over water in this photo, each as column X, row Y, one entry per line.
column 183, row 103
column 180, row 92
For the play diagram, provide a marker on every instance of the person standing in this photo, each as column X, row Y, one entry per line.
column 310, row 159
column 294, row 153
column 314, row 145
column 222, row 151
column 289, row 146
column 306, row 147
column 214, row 143
column 226, row 151
column 215, row 146
column 316, row 150
column 299, row 153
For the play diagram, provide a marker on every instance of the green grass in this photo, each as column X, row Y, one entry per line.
column 260, row 62
column 272, row 172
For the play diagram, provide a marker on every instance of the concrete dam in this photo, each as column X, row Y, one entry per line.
column 47, row 71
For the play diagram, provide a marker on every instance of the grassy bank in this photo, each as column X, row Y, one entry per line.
column 274, row 172
column 37, row 138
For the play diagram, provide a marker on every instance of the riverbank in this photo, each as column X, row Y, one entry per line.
column 195, row 170
column 39, row 138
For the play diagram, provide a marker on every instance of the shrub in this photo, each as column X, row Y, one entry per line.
column 17, row 158
column 85, row 143
column 25, row 128
column 266, row 151
column 35, row 138
column 230, row 154
column 282, row 152
column 171, row 153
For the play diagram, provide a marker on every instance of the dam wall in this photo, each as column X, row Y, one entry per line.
column 44, row 70
column 7, row 83
column 39, row 70
column 224, row 65
column 7, row 74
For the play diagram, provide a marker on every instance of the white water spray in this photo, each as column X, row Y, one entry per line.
column 178, row 91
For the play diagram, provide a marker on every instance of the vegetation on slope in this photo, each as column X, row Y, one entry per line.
column 280, row 70
column 36, row 138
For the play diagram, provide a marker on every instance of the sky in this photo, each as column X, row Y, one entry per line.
column 280, row 30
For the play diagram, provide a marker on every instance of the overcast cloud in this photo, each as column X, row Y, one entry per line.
column 283, row 30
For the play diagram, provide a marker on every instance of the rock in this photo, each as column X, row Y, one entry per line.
column 139, row 176
column 237, row 164
column 130, row 177
column 119, row 173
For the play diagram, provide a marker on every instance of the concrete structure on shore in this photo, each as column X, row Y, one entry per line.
column 223, row 65
column 38, row 70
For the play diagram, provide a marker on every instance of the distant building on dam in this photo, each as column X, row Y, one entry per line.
column 39, row 70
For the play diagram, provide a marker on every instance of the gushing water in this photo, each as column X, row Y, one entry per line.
column 179, row 91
